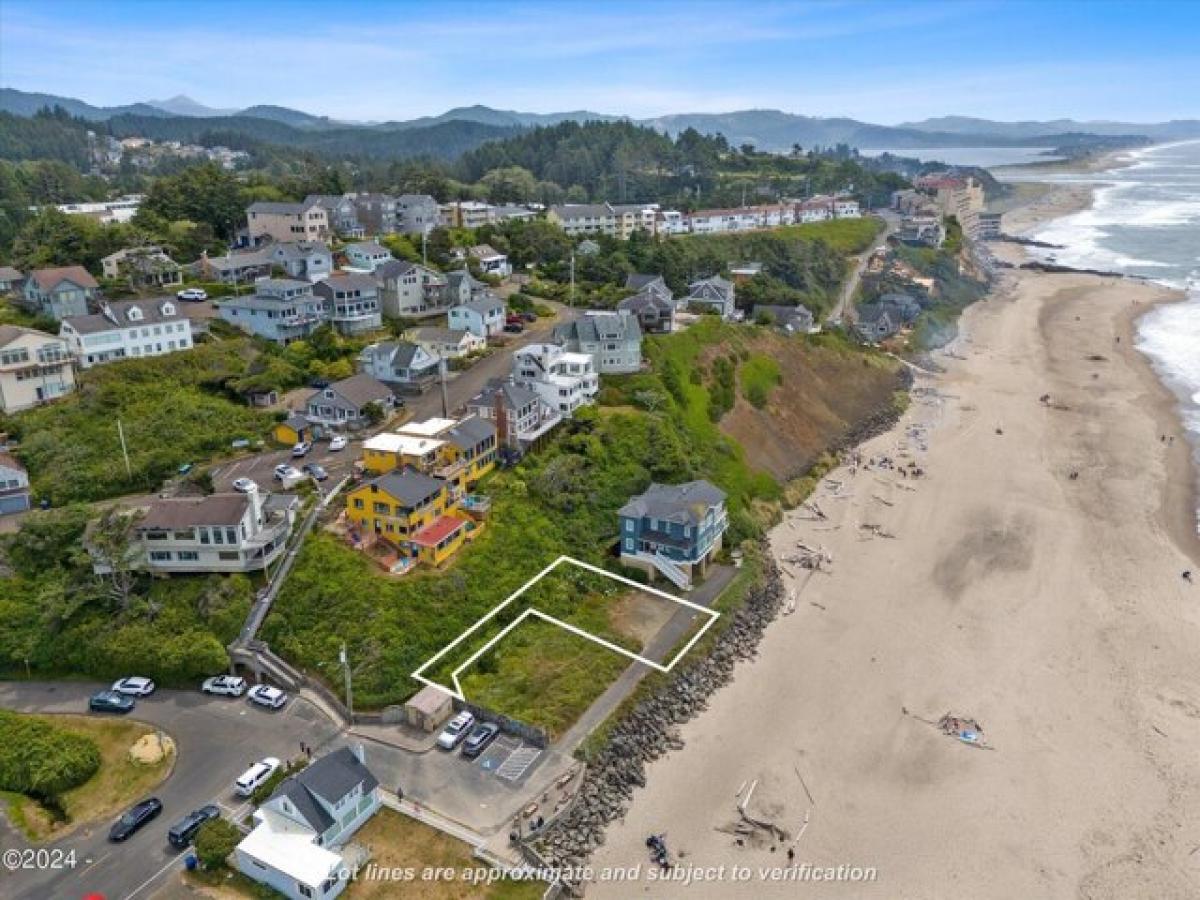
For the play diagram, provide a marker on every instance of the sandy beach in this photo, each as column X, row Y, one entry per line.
column 1030, row 579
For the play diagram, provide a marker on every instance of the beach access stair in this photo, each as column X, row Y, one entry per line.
column 667, row 567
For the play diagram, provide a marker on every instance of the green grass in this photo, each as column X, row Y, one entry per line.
column 759, row 375
column 843, row 235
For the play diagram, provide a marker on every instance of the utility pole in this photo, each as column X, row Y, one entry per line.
column 124, row 450
column 571, row 297
column 442, row 374
column 345, row 661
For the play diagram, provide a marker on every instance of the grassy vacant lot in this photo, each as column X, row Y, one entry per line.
column 119, row 783
column 398, row 842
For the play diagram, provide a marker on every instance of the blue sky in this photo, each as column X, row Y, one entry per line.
column 877, row 61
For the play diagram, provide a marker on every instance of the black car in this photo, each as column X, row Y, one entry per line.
column 137, row 816
column 183, row 831
column 111, row 701
column 316, row 471
column 514, row 328
column 484, row 734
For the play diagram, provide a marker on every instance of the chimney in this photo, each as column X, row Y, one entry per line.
column 359, row 753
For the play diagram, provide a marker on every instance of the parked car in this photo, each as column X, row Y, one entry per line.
column 454, row 733
column 484, row 734
column 283, row 472
column 244, row 485
column 514, row 327
column 316, row 471
column 193, row 294
column 338, row 442
column 224, row 685
column 301, row 449
column 185, row 468
column 135, row 818
column 110, row 701
column 529, row 316
column 270, row 697
column 254, row 776
column 184, row 831
column 134, row 686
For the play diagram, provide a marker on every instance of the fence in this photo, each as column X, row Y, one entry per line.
column 529, row 733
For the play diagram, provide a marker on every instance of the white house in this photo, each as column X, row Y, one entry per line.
column 299, row 845
column 127, row 329
column 483, row 317
column 491, row 261
column 521, row 416
column 446, row 343
column 366, row 256
column 564, row 380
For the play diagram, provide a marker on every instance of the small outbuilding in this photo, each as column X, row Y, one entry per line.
column 294, row 429
column 428, row 708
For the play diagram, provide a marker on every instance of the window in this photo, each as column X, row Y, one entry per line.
column 203, row 535
column 160, row 555
column 304, row 889
column 231, row 535
column 189, row 555
column 229, row 556
column 184, row 535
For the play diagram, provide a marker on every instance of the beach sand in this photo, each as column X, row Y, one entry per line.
column 1051, row 609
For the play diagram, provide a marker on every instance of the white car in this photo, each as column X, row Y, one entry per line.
column 254, row 776
column 454, row 733
column 338, row 442
column 301, row 449
column 192, row 294
column 283, row 472
column 245, row 485
column 270, row 697
column 134, row 686
column 225, row 685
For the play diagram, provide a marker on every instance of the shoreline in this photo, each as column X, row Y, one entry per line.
column 1031, row 580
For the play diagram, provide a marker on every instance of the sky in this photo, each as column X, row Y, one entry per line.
column 885, row 62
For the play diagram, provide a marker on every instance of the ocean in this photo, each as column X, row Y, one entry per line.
column 1146, row 221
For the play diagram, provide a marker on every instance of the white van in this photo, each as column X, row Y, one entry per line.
column 255, row 776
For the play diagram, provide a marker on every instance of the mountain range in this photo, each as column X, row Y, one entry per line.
column 767, row 129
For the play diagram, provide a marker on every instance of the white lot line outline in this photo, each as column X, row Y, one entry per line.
column 457, row 691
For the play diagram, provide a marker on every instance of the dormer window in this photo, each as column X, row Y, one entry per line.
column 134, row 314
column 168, row 309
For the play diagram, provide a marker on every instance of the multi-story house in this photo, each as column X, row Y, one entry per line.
column 845, row 208
column 814, row 210
column 341, row 212
column 463, row 287
column 407, row 367
column 351, row 302
column 653, row 304
column 521, row 416
column 409, row 290
column 458, row 451
column 306, row 260
column 713, row 293
column 10, row 279
column 128, row 329
column 410, row 510
column 792, row 319
column 377, row 213
column 631, row 217
column 467, row 214
column 299, row 844
column 366, row 256
column 217, row 533
column 145, row 268
column 673, row 530
column 280, row 309
column 612, row 339
column 344, row 404
column 61, row 292
column 563, row 379
column 491, row 261
column 417, row 213
column 483, row 317
column 584, row 218
column 669, row 221
column 35, row 368
column 287, row 222
column 14, row 485
column 446, row 343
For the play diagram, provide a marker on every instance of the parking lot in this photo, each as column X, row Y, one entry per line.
column 260, row 467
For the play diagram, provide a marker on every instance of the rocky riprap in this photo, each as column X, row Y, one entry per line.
column 650, row 729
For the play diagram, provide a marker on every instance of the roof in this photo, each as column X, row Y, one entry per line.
column 10, row 462
column 8, row 273
column 470, row 433
column 409, row 487
column 514, row 396
column 404, row 444
column 594, row 327
column 331, row 777
column 393, row 268
column 645, row 298
column 215, row 509
column 428, row 427
column 151, row 310
column 782, row 314
column 278, row 209
column 582, row 210
column 428, row 700
column 484, row 306
column 9, row 333
column 437, row 334
column 284, row 846
column 368, row 247
column 359, row 390
column 484, row 251
column 437, row 531
column 346, row 281
column 49, row 279
column 399, row 353
column 873, row 312
column 638, row 280
column 688, row 502
column 296, row 422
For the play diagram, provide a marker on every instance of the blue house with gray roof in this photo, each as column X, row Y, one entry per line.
column 674, row 530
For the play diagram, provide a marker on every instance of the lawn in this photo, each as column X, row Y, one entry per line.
column 415, row 851
column 119, row 783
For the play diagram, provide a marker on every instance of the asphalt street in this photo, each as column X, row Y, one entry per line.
column 216, row 739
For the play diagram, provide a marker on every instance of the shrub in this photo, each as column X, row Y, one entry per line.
column 215, row 840
column 42, row 760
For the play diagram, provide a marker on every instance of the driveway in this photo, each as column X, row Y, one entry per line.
column 844, row 308
column 216, row 739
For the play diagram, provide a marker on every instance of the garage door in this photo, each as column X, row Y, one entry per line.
column 16, row 503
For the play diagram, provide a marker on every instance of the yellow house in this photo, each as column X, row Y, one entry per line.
column 399, row 504
column 388, row 452
column 294, row 429
column 436, row 543
column 469, row 452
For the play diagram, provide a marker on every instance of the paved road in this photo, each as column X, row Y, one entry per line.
column 216, row 739
column 844, row 308
column 260, row 467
